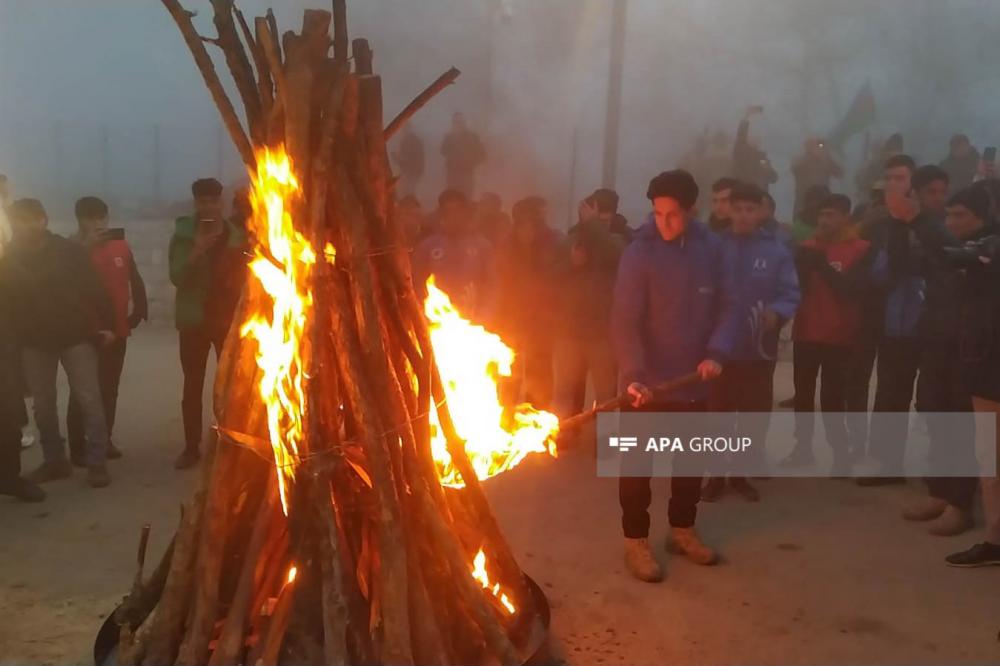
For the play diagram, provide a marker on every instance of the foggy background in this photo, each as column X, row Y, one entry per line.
column 102, row 97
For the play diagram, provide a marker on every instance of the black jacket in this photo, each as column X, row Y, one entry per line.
column 12, row 413
column 56, row 298
column 977, row 305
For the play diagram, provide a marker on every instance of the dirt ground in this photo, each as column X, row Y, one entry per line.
column 820, row 572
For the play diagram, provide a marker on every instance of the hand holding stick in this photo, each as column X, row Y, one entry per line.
column 623, row 400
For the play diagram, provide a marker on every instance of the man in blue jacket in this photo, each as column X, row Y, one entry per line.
column 672, row 303
column 767, row 296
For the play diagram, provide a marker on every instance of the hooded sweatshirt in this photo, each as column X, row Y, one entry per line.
column 207, row 290
column 674, row 306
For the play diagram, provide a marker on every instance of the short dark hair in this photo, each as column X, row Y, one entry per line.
column 678, row 185
column 452, row 196
column 894, row 142
column 27, row 210
column 927, row 174
column 528, row 209
column 206, row 187
column 976, row 199
column 958, row 139
column 91, row 208
column 838, row 202
column 897, row 161
column 747, row 192
column 724, row 183
column 606, row 200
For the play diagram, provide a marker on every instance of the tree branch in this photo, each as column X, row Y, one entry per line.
column 420, row 101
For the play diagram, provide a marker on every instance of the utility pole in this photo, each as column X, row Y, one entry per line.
column 105, row 162
column 616, row 67
column 157, row 167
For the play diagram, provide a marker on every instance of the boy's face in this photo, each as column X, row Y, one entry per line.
column 208, row 208
column 897, row 179
column 90, row 226
column 746, row 216
column 721, row 206
column 933, row 196
column 671, row 218
column 28, row 229
column 831, row 223
column 962, row 222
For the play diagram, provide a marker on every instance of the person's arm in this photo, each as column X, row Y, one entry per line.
column 788, row 296
column 181, row 260
column 742, row 143
column 860, row 277
column 140, row 304
column 628, row 311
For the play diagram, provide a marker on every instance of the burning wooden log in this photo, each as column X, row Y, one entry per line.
column 340, row 512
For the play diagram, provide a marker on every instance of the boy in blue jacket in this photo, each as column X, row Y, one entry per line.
column 672, row 304
column 767, row 295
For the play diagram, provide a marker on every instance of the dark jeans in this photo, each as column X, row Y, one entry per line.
column 746, row 388
column 898, row 360
column 634, row 494
column 110, row 362
column 195, row 345
column 941, row 388
column 859, row 379
column 829, row 364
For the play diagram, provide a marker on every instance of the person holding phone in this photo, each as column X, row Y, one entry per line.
column 750, row 163
column 112, row 259
column 208, row 267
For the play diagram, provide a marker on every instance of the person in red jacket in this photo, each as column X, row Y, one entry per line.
column 834, row 267
column 114, row 264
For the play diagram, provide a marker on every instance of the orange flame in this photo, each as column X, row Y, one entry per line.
column 292, row 573
column 282, row 263
column 479, row 573
column 470, row 360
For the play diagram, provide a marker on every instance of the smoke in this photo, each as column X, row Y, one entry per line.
column 87, row 87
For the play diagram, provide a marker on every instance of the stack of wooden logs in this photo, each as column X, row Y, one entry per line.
column 382, row 553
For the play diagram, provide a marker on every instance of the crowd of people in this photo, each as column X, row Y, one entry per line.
column 904, row 285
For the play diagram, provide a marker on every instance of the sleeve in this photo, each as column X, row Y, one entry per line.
column 179, row 259
column 627, row 313
column 787, row 300
column 726, row 332
column 871, row 270
column 140, row 304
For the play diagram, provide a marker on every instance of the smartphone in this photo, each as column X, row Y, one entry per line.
column 115, row 233
column 990, row 154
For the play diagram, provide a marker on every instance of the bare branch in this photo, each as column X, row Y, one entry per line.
column 420, row 101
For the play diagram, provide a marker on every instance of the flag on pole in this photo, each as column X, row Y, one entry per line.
column 859, row 117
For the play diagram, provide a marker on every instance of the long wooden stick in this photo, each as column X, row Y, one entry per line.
column 420, row 101
column 239, row 65
column 230, row 119
column 624, row 399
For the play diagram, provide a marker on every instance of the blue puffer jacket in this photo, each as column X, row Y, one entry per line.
column 673, row 307
column 907, row 265
column 766, row 279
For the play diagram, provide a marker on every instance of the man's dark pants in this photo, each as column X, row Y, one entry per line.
column 110, row 363
column 941, row 389
column 829, row 364
column 194, row 346
column 746, row 388
column 634, row 493
column 898, row 361
column 859, row 379
column 10, row 449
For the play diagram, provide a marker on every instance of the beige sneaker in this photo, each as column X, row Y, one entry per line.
column 640, row 561
column 953, row 521
column 685, row 540
column 925, row 508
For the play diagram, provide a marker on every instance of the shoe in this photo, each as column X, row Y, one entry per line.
column 188, row 459
column 685, row 541
column 952, row 522
column 24, row 490
column 98, row 477
column 713, row 489
column 798, row 458
column 787, row 404
column 51, row 470
column 114, row 453
column 744, row 489
column 27, row 440
column 878, row 481
column 924, row 509
column 984, row 554
column 640, row 562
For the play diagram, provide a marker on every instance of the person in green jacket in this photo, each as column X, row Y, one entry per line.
column 208, row 267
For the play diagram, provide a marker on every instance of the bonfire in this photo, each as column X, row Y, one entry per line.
column 339, row 517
